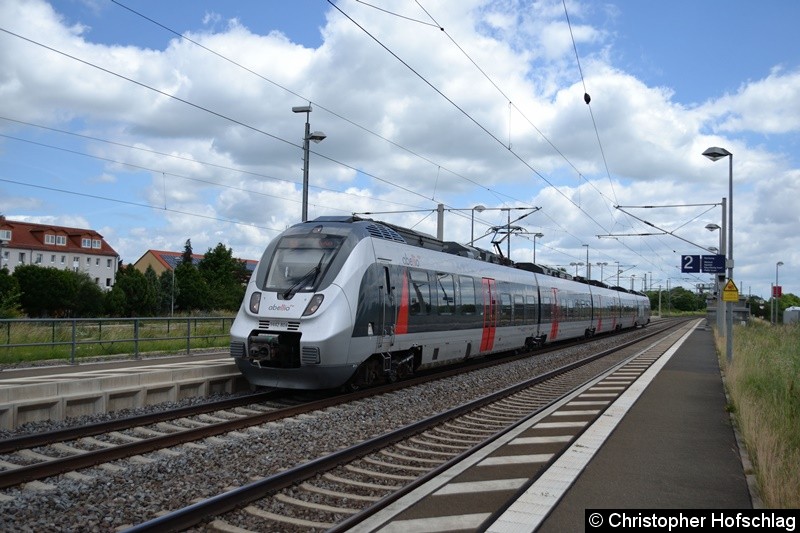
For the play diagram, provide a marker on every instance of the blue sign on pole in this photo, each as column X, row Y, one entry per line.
column 713, row 264
column 690, row 264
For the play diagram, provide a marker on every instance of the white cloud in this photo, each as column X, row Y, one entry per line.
column 437, row 152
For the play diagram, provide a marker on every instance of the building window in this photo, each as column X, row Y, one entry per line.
column 96, row 243
column 49, row 239
column 5, row 234
column 97, row 261
column 88, row 260
column 53, row 259
column 108, row 263
column 86, row 243
column 61, row 240
column 39, row 259
column 22, row 258
column 63, row 259
column 108, row 282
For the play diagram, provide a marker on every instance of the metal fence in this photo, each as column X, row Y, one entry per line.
column 76, row 338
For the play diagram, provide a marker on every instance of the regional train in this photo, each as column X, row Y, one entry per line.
column 351, row 302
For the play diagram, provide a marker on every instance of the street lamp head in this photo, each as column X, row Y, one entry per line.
column 479, row 208
column 317, row 136
column 539, row 235
column 712, row 227
column 302, row 109
column 715, row 152
column 779, row 263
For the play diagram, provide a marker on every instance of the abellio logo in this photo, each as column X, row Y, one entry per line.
column 280, row 307
column 412, row 260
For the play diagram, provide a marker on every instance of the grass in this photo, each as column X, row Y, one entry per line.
column 24, row 341
column 764, row 385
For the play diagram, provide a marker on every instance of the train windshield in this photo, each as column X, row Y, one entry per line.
column 300, row 262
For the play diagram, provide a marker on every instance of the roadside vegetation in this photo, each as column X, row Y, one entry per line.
column 217, row 282
column 764, row 384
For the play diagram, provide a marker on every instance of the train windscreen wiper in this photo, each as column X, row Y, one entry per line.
column 310, row 275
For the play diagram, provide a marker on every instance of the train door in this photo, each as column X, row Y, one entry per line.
column 555, row 315
column 388, row 310
column 489, row 313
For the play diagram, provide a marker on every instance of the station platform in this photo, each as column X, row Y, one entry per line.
column 652, row 433
column 57, row 392
column 672, row 447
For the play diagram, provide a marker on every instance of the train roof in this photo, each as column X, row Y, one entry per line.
column 386, row 230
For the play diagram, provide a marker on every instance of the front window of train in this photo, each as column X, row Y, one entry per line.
column 300, row 262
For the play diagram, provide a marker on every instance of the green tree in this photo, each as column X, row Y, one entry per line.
column 9, row 295
column 223, row 273
column 89, row 298
column 132, row 295
column 56, row 293
column 191, row 289
column 186, row 257
column 153, row 287
column 168, row 291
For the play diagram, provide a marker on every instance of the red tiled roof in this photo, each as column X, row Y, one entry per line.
column 28, row 235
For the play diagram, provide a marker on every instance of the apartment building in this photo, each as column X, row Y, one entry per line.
column 48, row 245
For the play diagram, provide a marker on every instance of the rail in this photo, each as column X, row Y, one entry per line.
column 76, row 338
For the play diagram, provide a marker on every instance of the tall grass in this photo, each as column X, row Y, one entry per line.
column 764, row 384
column 36, row 340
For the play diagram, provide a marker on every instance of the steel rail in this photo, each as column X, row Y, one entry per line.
column 187, row 517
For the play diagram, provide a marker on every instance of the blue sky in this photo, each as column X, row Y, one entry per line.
column 109, row 121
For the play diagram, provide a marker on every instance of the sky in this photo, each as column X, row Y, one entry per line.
column 156, row 122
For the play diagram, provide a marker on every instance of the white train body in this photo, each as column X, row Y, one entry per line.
column 339, row 301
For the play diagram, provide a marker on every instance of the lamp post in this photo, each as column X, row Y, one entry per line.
column 633, row 279
column 602, row 264
column 317, row 136
column 480, row 209
column 535, row 236
column 776, row 295
column 618, row 272
column 588, row 264
column 715, row 153
column 576, row 265
column 717, row 277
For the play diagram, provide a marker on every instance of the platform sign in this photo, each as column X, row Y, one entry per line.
column 730, row 293
column 713, row 264
column 690, row 264
column 777, row 291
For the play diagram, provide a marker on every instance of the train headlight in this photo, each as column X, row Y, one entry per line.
column 314, row 304
column 255, row 302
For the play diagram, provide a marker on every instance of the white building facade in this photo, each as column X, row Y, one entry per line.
column 47, row 245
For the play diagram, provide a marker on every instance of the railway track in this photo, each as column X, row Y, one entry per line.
column 39, row 456
column 339, row 490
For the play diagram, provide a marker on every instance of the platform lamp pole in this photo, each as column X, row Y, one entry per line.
column 480, row 209
column 602, row 264
column 535, row 236
column 317, row 136
column 715, row 153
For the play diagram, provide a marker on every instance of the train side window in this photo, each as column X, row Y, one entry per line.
column 506, row 312
column 547, row 309
column 445, row 287
column 420, row 294
column 530, row 309
column 468, row 301
column 519, row 309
